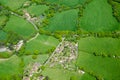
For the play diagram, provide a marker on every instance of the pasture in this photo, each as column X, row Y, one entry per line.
column 86, row 76
column 98, row 17
column 20, row 26
column 60, row 74
column 64, row 21
column 107, row 46
column 3, row 36
column 12, row 4
column 37, row 10
column 41, row 44
column 104, row 67
column 71, row 3
column 40, row 59
column 10, row 68
column 3, row 20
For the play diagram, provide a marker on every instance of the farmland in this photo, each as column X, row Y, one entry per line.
column 61, row 72
column 12, row 4
column 41, row 44
column 37, row 10
column 60, row 22
column 102, row 66
column 97, row 17
column 107, row 46
column 70, row 3
column 19, row 25
column 59, row 40
column 11, row 66
column 3, row 35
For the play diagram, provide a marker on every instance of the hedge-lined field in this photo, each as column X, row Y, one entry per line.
column 20, row 26
column 10, row 69
column 60, row 74
column 37, row 10
column 98, row 17
column 70, row 3
column 40, row 59
column 3, row 20
column 66, row 20
column 87, row 76
column 103, row 67
column 3, row 36
column 12, row 4
column 41, row 44
column 107, row 46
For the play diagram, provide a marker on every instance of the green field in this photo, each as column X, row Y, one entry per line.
column 40, row 59
column 5, row 54
column 3, row 20
column 41, row 44
column 10, row 68
column 104, row 67
column 59, row 39
column 37, row 10
column 60, row 74
column 86, row 76
column 70, row 3
column 3, row 36
column 20, row 26
column 98, row 17
column 66, row 20
column 108, row 46
column 12, row 4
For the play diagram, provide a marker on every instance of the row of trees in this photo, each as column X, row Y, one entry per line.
column 5, row 13
column 116, row 8
column 106, row 55
column 98, row 77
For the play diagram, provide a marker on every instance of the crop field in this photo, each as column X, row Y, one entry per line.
column 107, row 46
column 70, row 3
column 103, row 67
column 41, row 44
column 98, row 17
column 10, row 68
column 20, row 26
column 61, row 21
column 12, row 4
column 37, row 10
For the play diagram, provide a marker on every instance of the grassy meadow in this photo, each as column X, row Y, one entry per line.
column 40, row 59
column 98, row 17
column 10, row 68
column 70, row 3
column 60, row 74
column 20, row 26
column 41, row 44
column 12, row 4
column 66, row 20
column 3, row 35
column 104, row 67
column 37, row 10
column 107, row 46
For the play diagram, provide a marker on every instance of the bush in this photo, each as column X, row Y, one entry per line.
column 5, row 55
column 34, row 56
